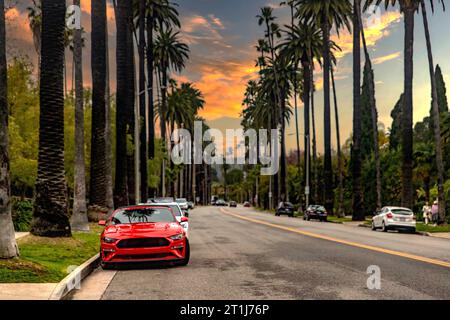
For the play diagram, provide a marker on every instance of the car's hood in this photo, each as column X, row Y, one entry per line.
column 161, row 229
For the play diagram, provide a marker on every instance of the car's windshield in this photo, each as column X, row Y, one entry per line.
column 320, row 208
column 181, row 200
column 288, row 204
column 144, row 215
column 403, row 212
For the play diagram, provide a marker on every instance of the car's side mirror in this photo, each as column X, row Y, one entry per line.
column 102, row 223
column 184, row 219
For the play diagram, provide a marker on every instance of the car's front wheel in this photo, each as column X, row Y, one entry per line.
column 373, row 226
column 384, row 228
column 107, row 265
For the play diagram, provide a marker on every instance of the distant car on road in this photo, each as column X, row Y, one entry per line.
column 233, row 204
column 143, row 234
column 315, row 212
column 247, row 204
column 183, row 203
column 221, row 203
column 394, row 218
column 285, row 208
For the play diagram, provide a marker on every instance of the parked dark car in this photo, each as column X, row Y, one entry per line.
column 315, row 212
column 233, row 204
column 285, row 208
column 247, row 204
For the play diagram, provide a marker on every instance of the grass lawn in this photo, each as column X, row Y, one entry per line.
column 45, row 260
column 338, row 219
column 430, row 228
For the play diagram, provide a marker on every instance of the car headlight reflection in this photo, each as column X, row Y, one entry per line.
column 177, row 237
column 109, row 240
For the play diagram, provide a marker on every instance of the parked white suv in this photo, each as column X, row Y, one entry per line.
column 177, row 211
column 394, row 218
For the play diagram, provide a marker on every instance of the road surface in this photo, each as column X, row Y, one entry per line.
column 238, row 253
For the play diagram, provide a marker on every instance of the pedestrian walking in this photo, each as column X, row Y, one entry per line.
column 435, row 212
column 426, row 212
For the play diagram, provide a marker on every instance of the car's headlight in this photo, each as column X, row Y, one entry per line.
column 177, row 237
column 109, row 240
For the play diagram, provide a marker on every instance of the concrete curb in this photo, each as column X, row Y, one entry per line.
column 73, row 280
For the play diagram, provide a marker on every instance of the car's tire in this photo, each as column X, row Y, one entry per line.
column 304, row 217
column 373, row 226
column 184, row 262
column 384, row 228
column 107, row 265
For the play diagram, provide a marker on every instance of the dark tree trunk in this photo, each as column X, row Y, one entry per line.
column 8, row 245
column 50, row 216
column 79, row 220
column 357, row 206
column 407, row 114
column 306, row 111
column 150, row 69
column 163, row 126
column 328, row 170
column 97, row 189
column 436, row 119
column 284, row 196
column 121, row 185
column 142, row 104
column 314, row 140
column 340, row 209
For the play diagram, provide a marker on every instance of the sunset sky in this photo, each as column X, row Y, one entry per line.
column 222, row 35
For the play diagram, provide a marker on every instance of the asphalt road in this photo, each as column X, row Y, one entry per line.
column 243, row 254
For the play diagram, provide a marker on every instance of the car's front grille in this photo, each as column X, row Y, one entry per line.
column 144, row 256
column 143, row 243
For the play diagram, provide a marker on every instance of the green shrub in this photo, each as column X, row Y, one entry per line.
column 22, row 213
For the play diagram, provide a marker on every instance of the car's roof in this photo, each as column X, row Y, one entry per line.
column 398, row 208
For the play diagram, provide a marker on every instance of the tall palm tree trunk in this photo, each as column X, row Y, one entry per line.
column 142, row 104
column 373, row 108
column 340, row 211
column 79, row 219
column 97, row 189
column 8, row 245
column 50, row 216
column 306, row 114
column 328, row 170
column 163, row 126
column 436, row 118
column 407, row 114
column 121, row 185
column 357, row 204
column 314, row 139
column 108, row 135
column 284, row 195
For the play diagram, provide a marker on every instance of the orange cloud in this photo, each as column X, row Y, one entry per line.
column 388, row 57
column 223, row 87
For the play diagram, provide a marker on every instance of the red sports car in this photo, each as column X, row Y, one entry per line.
column 143, row 234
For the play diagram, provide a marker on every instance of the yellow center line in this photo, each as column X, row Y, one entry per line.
column 349, row 243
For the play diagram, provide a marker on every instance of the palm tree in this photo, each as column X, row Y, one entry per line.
column 303, row 44
column 327, row 14
column 142, row 103
column 79, row 219
column 435, row 113
column 97, row 192
column 8, row 245
column 50, row 216
column 170, row 54
column 408, row 8
column 357, row 203
column 122, row 57
column 35, row 18
column 159, row 13
column 340, row 212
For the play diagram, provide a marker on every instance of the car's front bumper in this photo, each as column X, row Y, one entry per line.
column 174, row 251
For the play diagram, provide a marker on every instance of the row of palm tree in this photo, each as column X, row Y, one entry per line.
column 162, row 52
column 305, row 42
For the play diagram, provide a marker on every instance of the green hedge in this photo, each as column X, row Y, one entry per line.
column 22, row 213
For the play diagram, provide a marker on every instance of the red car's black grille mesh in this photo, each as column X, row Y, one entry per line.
column 143, row 243
column 143, row 256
